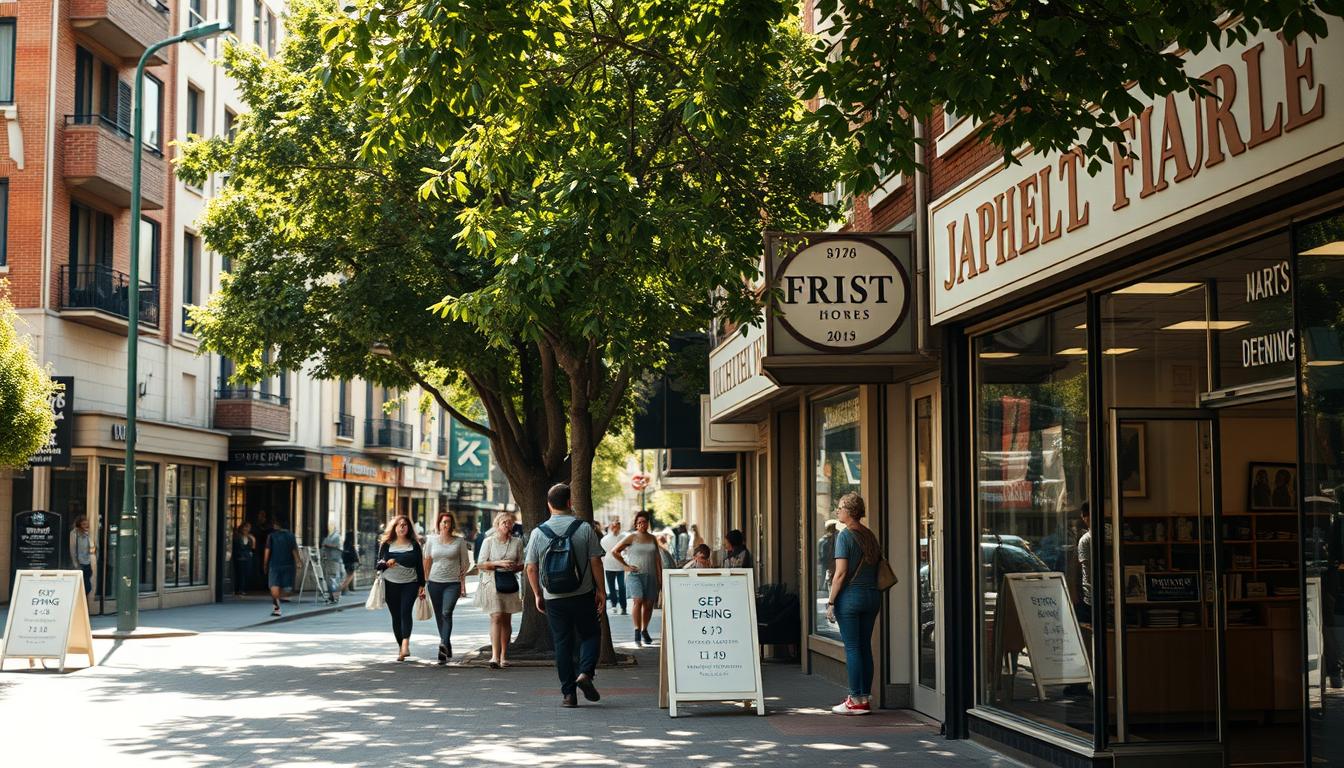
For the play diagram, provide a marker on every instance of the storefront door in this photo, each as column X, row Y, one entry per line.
column 926, row 581
column 1161, row 582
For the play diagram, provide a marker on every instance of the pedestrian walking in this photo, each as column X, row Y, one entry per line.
column 497, row 593
column 402, row 563
column 349, row 562
column 854, row 601
column 447, row 560
column 280, row 561
column 82, row 550
column 736, row 554
column 244, row 547
column 611, row 567
column 331, row 565
column 669, row 560
column 563, row 558
column 700, row 558
column 638, row 555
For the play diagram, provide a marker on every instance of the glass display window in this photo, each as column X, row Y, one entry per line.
column 837, row 466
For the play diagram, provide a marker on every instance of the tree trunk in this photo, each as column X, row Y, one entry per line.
column 534, row 633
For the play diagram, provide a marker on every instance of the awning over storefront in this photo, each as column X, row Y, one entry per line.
column 103, row 430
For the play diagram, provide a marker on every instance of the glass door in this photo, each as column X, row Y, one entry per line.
column 928, row 577
column 111, row 489
column 1165, row 642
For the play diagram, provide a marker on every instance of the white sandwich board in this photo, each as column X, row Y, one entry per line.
column 48, row 618
column 709, row 647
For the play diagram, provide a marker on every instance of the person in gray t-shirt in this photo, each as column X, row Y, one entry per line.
column 570, row 612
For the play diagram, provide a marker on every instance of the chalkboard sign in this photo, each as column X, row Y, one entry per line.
column 1173, row 588
column 48, row 618
column 710, row 650
column 38, row 543
column 1034, row 614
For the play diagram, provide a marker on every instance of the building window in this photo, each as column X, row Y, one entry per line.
column 4, row 222
column 257, row 19
column 151, row 126
column 270, row 33
column 345, row 419
column 235, row 17
column 836, row 470
column 84, row 83
column 195, row 105
column 186, row 538
column 149, row 251
column 190, row 276
column 7, row 46
column 230, row 122
column 1031, row 470
column 90, row 237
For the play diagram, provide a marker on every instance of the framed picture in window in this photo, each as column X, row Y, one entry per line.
column 1273, row 486
column 1132, row 460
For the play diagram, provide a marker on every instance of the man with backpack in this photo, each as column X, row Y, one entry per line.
column 562, row 557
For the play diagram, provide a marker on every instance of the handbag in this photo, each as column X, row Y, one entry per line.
column 506, row 582
column 376, row 598
column 886, row 577
column 422, row 609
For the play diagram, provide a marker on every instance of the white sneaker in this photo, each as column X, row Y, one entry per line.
column 851, row 707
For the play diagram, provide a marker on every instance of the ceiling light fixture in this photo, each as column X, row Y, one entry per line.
column 1072, row 351
column 1207, row 325
column 1157, row 289
column 1324, row 363
column 997, row 355
column 1119, row 350
column 1329, row 249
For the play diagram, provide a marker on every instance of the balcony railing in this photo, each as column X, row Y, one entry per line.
column 443, row 446
column 231, row 393
column 387, row 433
column 345, row 425
column 100, row 287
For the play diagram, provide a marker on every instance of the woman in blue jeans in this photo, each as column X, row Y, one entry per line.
column 854, row 601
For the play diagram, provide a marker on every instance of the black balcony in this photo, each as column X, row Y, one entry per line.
column 443, row 446
column 235, row 393
column 94, row 290
column 387, row 433
column 345, row 426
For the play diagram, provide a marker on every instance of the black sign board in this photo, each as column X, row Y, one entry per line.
column 56, row 453
column 262, row 458
column 1173, row 588
column 38, row 542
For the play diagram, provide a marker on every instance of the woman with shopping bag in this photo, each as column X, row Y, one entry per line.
column 401, row 571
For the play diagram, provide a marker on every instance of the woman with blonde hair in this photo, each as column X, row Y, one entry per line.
column 854, row 600
column 402, row 565
column 500, row 561
column 447, row 559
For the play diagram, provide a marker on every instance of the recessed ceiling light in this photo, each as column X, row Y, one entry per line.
column 1082, row 327
column 1207, row 325
column 997, row 355
column 1157, row 289
column 1329, row 249
column 1324, row 363
column 1072, row 351
column 1119, row 350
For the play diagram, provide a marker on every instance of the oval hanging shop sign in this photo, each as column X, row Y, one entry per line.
column 842, row 294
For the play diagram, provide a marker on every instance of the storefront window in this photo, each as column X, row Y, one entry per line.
column 186, row 528
column 69, row 488
column 1320, row 308
column 112, row 488
column 837, row 467
column 1032, row 483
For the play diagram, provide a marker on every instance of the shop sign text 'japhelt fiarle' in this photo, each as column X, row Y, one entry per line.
column 1269, row 118
column 840, row 293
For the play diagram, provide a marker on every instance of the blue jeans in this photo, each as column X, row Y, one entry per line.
column 443, row 595
column 568, row 616
column 616, row 588
column 856, row 614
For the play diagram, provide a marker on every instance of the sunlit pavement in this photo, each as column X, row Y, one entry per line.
column 327, row 690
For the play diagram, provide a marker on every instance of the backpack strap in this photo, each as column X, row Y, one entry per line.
column 552, row 535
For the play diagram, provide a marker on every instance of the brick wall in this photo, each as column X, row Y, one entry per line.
column 252, row 415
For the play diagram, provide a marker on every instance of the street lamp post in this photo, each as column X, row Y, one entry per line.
column 128, row 526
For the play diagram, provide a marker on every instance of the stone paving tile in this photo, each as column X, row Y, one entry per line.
column 326, row 691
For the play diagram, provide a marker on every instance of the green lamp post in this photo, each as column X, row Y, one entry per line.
column 128, row 526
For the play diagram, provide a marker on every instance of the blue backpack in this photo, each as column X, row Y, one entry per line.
column 561, row 572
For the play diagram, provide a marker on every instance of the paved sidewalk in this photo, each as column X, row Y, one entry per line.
column 326, row 690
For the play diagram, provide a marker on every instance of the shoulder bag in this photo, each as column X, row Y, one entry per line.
column 506, row 582
column 376, row 597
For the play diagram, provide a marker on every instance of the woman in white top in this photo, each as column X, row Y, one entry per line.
column 447, row 560
column 403, row 568
column 638, row 555
column 500, row 561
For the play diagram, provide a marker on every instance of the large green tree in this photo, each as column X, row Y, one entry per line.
column 1030, row 72
column 562, row 236
column 26, row 420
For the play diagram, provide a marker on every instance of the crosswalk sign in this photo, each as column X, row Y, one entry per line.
column 469, row 454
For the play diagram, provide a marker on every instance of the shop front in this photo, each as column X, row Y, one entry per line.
column 362, row 494
column 418, row 493
column 266, row 488
column 1147, row 442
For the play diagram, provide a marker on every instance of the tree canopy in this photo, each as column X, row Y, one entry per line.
column 26, row 420
column 1051, row 75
